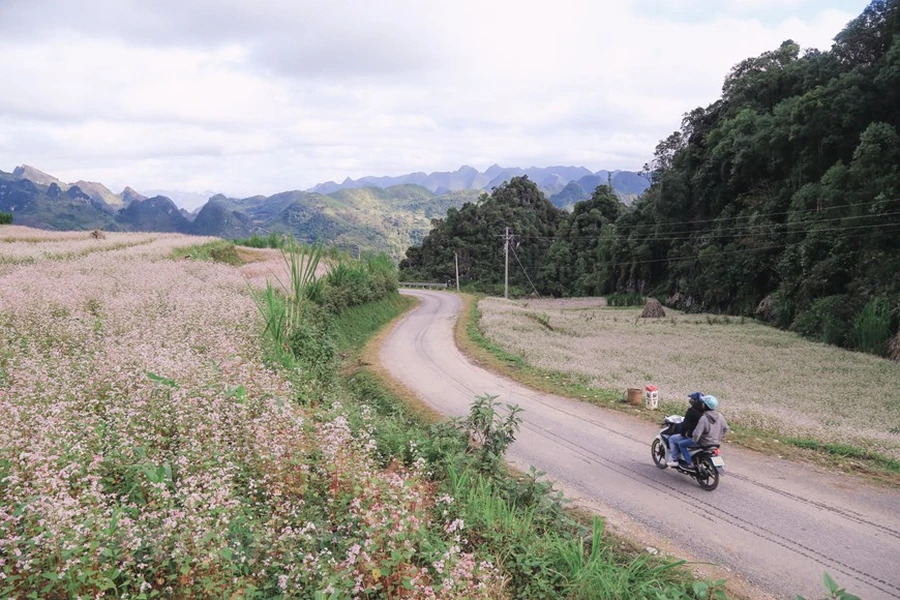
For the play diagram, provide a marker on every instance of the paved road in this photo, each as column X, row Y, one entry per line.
column 776, row 524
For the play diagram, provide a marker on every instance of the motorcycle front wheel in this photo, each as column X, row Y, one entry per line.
column 658, row 452
column 707, row 474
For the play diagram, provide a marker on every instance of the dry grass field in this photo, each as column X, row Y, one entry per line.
column 765, row 378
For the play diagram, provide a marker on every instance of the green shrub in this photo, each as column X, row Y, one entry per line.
column 784, row 310
column 490, row 434
column 273, row 240
column 354, row 282
column 872, row 327
column 312, row 345
column 625, row 300
column 220, row 251
column 6, row 218
column 827, row 320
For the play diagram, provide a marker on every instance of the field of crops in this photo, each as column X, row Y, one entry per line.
column 147, row 450
column 765, row 378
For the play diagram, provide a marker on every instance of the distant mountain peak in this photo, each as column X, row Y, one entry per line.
column 36, row 176
column 551, row 180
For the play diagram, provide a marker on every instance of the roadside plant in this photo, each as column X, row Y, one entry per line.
column 490, row 433
column 282, row 310
column 834, row 591
column 872, row 327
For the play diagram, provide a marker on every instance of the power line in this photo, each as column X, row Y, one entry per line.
column 694, row 258
column 773, row 214
column 526, row 273
column 791, row 227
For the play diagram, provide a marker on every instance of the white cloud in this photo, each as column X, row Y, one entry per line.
column 258, row 98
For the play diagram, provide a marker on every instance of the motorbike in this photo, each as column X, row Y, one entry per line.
column 708, row 466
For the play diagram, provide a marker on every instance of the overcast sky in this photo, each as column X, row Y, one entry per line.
column 255, row 97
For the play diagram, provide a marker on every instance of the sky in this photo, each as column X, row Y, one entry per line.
column 258, row 97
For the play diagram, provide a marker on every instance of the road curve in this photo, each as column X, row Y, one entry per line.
column 776, row 524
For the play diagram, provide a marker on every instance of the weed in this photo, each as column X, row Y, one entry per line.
column 218, row 251
column 490, row 434
column 872, row 327
column 834, row 591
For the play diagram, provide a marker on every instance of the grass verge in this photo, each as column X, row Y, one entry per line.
column 841, row 457
column 356, row 325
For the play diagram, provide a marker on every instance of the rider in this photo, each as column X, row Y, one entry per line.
column 693, row 414
column 709, row 431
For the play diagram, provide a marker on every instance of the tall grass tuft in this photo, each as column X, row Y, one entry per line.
column 282, row 310
column 872, row 327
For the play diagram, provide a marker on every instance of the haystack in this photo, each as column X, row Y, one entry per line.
column 765, row 310
column 653, row 310
column 894, row 348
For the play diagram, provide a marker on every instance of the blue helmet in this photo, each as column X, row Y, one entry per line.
column 711, row 402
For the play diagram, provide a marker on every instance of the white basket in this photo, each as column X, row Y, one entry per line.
column 651, row 399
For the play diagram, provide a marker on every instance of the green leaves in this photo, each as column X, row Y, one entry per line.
column 165, row 381
column 835, row 592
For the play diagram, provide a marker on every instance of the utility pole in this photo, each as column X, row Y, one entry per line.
column 456, row 258
column 506, row 264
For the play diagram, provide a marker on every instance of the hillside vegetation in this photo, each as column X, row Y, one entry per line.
column 780, row 200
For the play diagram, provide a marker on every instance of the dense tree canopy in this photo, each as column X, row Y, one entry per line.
column 475, row 232
column 779, row 200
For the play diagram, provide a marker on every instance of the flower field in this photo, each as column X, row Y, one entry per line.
column 147, row 450
column 767, row 379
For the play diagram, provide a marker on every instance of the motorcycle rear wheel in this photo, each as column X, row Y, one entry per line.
column 658, row 452
column 707, row 475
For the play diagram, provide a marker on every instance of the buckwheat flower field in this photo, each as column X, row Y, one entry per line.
column 765, row 378
column 146, row 450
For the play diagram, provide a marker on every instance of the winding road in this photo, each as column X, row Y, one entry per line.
column 774, row 525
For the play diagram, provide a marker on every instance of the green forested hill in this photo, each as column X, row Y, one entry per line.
column 781, row 200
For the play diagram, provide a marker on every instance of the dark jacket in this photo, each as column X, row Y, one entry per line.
column 691, row 417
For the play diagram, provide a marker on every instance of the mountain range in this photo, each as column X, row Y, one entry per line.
column 563, row 185
column 377, row 213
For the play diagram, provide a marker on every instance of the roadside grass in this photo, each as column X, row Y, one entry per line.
column 844, row 456
column 357, row 324
column 491, row 355
column 847, row 451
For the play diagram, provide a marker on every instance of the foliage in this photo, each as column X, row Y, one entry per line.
column 273, row 240
column 474, row 232
column 283, row 310
column 220, row 251
column 351, row 283
column 6, row 218
column 490, row 433
column 356, row 324
column 834, row 591
column 871, row 330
